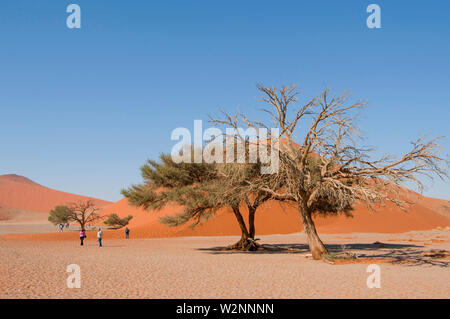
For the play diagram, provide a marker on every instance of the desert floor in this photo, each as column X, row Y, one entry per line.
column 195, row 267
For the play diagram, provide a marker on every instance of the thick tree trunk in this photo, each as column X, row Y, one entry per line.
column 241, row 222
column 251, row 221
column 246, row 242
column 316, row 246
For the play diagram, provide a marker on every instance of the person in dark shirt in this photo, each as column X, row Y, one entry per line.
column 82, row 236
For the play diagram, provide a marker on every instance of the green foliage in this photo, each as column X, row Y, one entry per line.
column 167, row 181
column 200, row 188
column 59, row 215
column 115, row 221
column 83, row 213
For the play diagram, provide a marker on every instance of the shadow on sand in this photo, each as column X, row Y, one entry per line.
column 404, row 254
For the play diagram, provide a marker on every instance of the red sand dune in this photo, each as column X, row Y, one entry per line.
column 274, row 218
column 278, row 218
column 21, row 193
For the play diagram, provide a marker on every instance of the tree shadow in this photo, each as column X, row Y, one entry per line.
column 112, row 246
column 404, row 254
column 304, row 249
column 413, row 257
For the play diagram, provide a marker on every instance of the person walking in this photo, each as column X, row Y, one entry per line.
column 82, row 236
column 61, row 227
column 99, row 237
column 127, row 233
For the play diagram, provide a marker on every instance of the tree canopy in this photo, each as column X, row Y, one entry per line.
column 115, row 221
column 82, row 213
column 202, row 189
column 59, row 215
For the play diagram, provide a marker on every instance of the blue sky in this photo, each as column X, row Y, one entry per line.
column 81, row 110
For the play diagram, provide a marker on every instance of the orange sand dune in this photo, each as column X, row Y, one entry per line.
column 22, row 193
column 282, row 218
column 439, row 205
column 273, row 218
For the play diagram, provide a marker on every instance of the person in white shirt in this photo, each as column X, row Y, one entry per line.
column 99, row 237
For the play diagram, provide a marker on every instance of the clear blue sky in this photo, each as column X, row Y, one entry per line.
column 81, row 110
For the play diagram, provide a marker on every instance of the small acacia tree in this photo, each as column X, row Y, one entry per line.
column 59, row 215
column 116, row 222
column 83, row 213
column 326, row 172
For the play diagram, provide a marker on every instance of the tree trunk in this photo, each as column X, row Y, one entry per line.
column 246, row 242
column 251, row 221
column 241, row 222
column 316, row 246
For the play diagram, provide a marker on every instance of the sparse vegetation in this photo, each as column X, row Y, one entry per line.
column 116, row 222
column 83, row 213
column 59, row 215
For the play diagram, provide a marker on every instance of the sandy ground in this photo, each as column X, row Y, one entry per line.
column 193, row 267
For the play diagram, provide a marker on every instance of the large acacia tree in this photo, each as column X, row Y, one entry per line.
column 201, row 189
column 323, row 169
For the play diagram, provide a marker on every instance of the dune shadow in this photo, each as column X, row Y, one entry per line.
column 404, row 254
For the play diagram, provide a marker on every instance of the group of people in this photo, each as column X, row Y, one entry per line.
column 61, row 226
column 100, row 236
